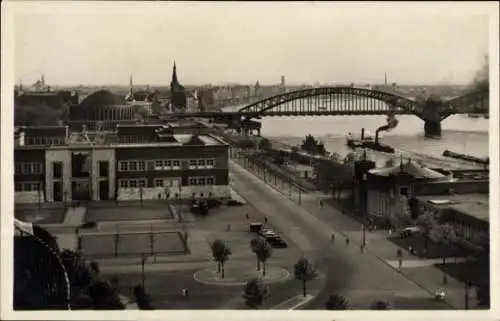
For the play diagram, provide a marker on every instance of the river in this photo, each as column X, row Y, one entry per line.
column 460, row 133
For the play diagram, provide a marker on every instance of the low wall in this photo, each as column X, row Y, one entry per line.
column 154, row 193
column 28, row 197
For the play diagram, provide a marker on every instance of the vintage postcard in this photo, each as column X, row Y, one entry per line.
column 249, row 160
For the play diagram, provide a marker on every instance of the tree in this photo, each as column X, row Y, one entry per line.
column 255, row 292
column 444, row 234
column 426, row 222
column 263, row 252
column 304, row 271
column 483, row 295
column 79, row 271
column 220, row 253
column 142, row 298
column 380, row 305
column 294, row 149
column 337, row 302
column 104, row 296
column 265, row 143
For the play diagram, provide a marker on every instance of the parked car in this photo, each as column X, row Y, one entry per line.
column 276, row 241
column 255, row 227
column 267, row 231
column 232, row 202
column 407, row 231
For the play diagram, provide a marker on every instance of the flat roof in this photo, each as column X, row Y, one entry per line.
column 475, row 205
column 182, row 139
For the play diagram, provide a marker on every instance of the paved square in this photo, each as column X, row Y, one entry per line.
column 41, row 216
column 132, row 244
column 128, row 213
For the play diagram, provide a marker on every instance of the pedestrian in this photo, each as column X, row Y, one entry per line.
column 185, row 293
column 390, row 231
column 265, row 220
column 321, row 203
column 333, row 238
column 229, row 227
column 247, row 216
column 410, row 249
column 361, row 248
column 347, row 241
column 400, row 262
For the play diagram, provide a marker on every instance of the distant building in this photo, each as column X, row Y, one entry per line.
column 149, row 161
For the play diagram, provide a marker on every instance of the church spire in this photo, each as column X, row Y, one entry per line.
column 174, row 75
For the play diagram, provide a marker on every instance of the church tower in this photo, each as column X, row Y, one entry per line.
column 177, row 92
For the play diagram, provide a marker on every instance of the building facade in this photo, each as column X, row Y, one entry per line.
column 143, row 162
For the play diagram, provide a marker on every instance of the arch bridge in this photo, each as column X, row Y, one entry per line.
column 364, row 101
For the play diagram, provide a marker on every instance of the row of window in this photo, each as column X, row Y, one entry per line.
column 166, row 182
column 27, row 187
column 44, row 140
column 28, row 168
column 163, row 164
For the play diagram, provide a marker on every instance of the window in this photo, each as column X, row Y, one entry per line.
column 123, row 166
column 142, row 183
column 37, row 168
column 158, row 164
column 201, row 181
column 57, row 168
column 168, row 163
column 27, row 168
column 132, row 166
column 201, row 162
column 133, row 184
column 103, row 168
column 210, row 181
column 192, row 163
column 158, row 182
column 141, row 166
column 18, row 187
column 36, row 186
column 27, row 187
column 124, row 184
column 210, row 163
column 192, row 181
column 176, row 163
column 17, row 168
column 403, row 191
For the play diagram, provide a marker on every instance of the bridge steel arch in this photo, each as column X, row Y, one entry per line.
column 332, row 101
column 472, row 102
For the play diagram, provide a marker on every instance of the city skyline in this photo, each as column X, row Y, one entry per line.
column 328, row 47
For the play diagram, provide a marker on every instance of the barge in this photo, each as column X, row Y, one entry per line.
column 468, row 158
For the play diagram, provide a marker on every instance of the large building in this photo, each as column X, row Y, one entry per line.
column 406, row 191
column 55, row 164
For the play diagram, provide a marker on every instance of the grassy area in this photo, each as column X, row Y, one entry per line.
column 476, row 272
column 41, row 216
column 417, row 242
column 126, row 213
column 165, row 243
column 166, row 291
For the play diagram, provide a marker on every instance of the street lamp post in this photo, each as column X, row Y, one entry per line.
column 467, row 286
column 300, row 195
column 365, row 209
column 143, row 261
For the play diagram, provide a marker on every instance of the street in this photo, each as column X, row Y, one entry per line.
column 360, row 277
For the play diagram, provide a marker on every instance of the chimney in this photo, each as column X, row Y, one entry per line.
column 362, row 133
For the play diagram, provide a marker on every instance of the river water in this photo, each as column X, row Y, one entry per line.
column 460, row 133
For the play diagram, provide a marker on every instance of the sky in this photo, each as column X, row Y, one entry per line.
column 212, row 43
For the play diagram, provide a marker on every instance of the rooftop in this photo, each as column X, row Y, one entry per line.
column 475, row 205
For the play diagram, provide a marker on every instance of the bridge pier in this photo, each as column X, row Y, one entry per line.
column 432, row 117
column 432, row 128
